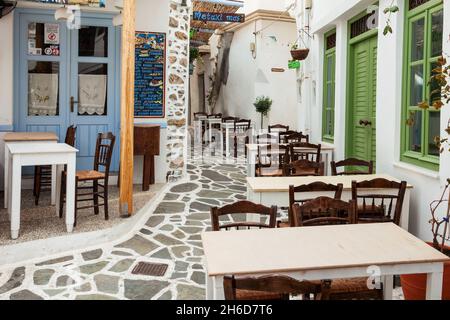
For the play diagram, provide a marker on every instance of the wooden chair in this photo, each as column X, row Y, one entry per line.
column 268, row 161
column 283, row 134
column 297, row 137
column 366, row 167
column 327, row 211
column 43, row 174
column 305, row 151
column 377, row 207
column 243, row 207
column 308, row 188
column 272, row 288
column 102, row 160
column 323, row 211
column 277, row 128
column 241, row 135
column 267, row 138
column 199, row 115
column 303, row 168
column 215, row 116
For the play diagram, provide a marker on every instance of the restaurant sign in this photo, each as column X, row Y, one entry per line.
column 90, row 3
column 218, row 17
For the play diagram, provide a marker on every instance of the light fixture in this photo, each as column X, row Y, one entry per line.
column 118, row 20
column 64, row 14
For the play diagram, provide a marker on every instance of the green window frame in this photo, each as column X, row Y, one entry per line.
column 422, row 48
column 329, row 86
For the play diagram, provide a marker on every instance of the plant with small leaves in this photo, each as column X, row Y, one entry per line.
column 194, row 53
column 262, row 106
column 392, row 8
column 440, row 220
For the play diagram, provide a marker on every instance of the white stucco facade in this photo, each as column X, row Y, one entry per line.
column 327, row 15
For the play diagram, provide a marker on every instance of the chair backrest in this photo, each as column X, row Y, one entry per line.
column 282, row 285
column 243, row 207
column 272, row 156
column 278, row 128
column 351, row 166
column 198, row 115
column 296, row 137
column 303, row 168
column 215, row 116
column 242, row 126
column 267, row 138
column 305, row 151
column 103, row 151
column 282, row 135
column 379, row 206
column 308, row 188
column 71, row 135
column 324, row 211
column 229, row 119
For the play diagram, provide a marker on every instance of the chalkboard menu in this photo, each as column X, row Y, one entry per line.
column 150, row 75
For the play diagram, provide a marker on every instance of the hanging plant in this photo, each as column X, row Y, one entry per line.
column 299, row 53
column 388, row 11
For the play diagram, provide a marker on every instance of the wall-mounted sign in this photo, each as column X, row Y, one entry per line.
column 150, row 72
column 278, row 70
column 218, row 17
column 90, row 3
column 294, row 64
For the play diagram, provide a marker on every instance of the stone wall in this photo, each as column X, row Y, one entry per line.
column 177, row 88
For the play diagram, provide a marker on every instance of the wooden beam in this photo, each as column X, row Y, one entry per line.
column 127, row 107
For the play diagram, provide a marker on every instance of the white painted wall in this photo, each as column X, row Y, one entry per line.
column 327, row 15
column 252, row 77
column 159, row 12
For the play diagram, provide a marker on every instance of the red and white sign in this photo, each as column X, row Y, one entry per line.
column 51, row 33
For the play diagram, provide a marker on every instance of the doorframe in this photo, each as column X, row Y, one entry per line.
column 17, row 62
column 349, row 96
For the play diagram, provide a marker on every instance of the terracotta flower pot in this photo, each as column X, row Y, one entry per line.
column 415, row 285
column 299, row 54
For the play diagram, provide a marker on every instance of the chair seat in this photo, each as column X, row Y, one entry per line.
column 89, row 175
column 269, row 172
column 259, row 295
column 353, row 288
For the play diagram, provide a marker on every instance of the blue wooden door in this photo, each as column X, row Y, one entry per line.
column 68, row 77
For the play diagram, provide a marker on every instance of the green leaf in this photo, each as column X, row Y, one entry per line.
column 387, row 30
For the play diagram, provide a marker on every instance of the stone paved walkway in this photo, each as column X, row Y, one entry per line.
column 171, row 236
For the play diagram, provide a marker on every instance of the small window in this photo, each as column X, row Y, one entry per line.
column 329, row 87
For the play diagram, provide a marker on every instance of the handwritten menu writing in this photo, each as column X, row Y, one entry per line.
column 150, row 75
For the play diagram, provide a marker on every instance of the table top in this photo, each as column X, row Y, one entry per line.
column 30, row 136
column 281, row 184
column 268, row 251
column 254, row 147
column 37, row 148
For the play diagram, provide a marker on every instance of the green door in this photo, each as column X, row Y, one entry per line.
column 362, row 109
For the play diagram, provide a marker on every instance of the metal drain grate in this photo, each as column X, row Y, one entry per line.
column 150, row 269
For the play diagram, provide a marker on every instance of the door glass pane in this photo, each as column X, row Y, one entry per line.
column 329, row 95
column 93, row 41
column 433, row 133
column 43, row 39
column 415, row 132
column 43, row 88
column 437, row 27
column 92, row 89
column 417, row 83
column 435, row 88
column 329, row 68
column 418, row 36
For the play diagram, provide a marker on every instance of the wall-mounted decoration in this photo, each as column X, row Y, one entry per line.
column 218, row 17
column 150, row 71
column 294, row 64
column 43, row 39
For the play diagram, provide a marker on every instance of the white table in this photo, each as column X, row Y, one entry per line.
column 328, row 252
column 275, row 191
column 38, row 154
column 28, row 137
column 252, row 153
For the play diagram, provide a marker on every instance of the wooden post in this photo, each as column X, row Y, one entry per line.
column 127, row 108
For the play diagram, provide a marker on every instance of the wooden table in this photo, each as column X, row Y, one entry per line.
column 147, row 144
column 317, row 253
column 39, row 154
column 252, row 154
column 275, row 191
column 28, row 137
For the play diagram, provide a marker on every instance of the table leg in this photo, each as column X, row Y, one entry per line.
column 16, row 182
column 70, row 193
column 149, row 172
column 227, row 141
column 388, row 287
column 53, row 200
column 218, row 288
column 251, row 162
column 59, row 170
column 209, row 288
column 6, row 177
column 434, row 284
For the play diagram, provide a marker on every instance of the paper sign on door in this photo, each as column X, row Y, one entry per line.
column 51, row 33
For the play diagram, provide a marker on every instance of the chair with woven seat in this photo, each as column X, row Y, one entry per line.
column 267, row 138
column 268, row 161
column 327, row 211
column 278, row 129
column 43, row 174
column 303, row 168
column 102, row 162
column 271, row 288
column 241, row 135
column 305, row 151
column 351, row 166
column 376, row 207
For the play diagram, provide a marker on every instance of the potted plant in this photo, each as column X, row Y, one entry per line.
column 414, row 285
column 194, row 53
column 262, row 106
column 298, row 54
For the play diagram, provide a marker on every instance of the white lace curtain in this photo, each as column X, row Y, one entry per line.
column 43, row 94
column 92, row 94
